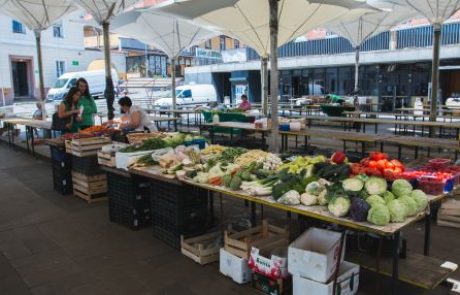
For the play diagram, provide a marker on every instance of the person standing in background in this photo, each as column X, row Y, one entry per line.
column 87, row 103
column 245, row 105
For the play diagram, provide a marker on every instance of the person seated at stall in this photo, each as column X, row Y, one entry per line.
column 69, row 113
column 137, row 118
column 87, row 103
column 245, row 105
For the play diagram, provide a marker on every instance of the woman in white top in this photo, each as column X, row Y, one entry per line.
column 138, row 119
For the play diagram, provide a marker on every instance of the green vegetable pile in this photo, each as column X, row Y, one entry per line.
column 156, row 143
column 231, row 153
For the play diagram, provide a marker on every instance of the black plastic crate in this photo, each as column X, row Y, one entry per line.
column 134, row 218
column 183, row 195
column 86, row 165
column 128, row 191
column 60, row 157
column 177, row 216
column 170, row 238
column 62, row 179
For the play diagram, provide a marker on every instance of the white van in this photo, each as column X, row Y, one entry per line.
column 190, row 95
column 96, row 81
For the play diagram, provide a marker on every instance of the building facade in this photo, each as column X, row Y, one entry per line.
column 395, row 67
column 63, row 50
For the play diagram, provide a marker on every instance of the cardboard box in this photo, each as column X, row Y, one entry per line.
column 314, row 254
column 272, row 266
column 347, row 282
column 234, row 267
column 270, row 286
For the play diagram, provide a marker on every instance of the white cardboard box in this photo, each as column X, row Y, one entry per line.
column 274, row 267
column 314, row 254
column 234, row 267
column 347, row 282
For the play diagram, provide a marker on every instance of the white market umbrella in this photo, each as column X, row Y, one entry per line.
column 170, row 34
column 437, row 12
column 102, row 12
column 37, row 15
column 362, row 28
column 249, row 21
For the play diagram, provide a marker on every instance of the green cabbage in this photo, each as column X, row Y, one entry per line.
column 374, row 200
column 353, row 184
column 379, row 215
column 339, row 206
column 376, row 186
column 420, row 199
column 401, row 187
column 388, row 196
column 397, row 211
column 314, row 188
column 411, row 205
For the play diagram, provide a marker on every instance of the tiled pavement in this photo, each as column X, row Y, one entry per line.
column 53, row 244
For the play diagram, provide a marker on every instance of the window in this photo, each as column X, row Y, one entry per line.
column 222, row 43
column 208, row 44
column 236, row 43
column 18, row 27
column 58, row 31
column 60, row 68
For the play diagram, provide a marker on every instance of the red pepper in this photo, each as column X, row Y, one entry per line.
column 338, row 157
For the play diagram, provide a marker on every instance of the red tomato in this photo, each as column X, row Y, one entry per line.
column 398, row 170
column 389, row 165
column 372, row 164
column 381, row 164
column 397, row 163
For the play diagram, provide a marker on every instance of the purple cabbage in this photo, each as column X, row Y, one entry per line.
column 359, row 209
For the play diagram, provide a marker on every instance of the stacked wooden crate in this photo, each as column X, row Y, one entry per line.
column 89, row 181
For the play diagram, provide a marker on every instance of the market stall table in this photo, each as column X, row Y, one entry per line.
column 158, row 120
column 376, row 122
column 436, row 274
column 30, row 124
column 238, row 125
column 334, row 134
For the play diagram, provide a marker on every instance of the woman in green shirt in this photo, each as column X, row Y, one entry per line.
column 69, row 112
column 87, row 102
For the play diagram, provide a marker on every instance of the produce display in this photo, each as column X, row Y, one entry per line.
column 363, row 192
column 378, row 164
column 96, row 130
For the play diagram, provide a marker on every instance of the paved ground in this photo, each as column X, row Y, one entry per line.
column 53, row 244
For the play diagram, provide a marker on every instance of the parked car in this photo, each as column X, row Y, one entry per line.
column 453, row 103
column 96, row 81
column 190, row 95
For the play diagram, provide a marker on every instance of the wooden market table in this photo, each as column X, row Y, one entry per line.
column 237, row 125
column 376, row 122
column 159, row 119
column 419, row 270
column 344, row 136
column 30, row 125
column 188, row 112
column 434, row 273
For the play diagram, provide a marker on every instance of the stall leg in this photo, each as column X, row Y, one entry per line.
column 426, row 246
column 399, row 152
column 344, row 145
column 32, row 140
column 381, row 147
column 416, row 152
column 363, row 149
column 376, row 128
column 261, row 213
column 306, row 142
column 337, row 266
column 264, row 144
column 394, row 276
column 211, row 208
column 253, row 214
column 27, row 139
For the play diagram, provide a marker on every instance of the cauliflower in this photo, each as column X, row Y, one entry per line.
column 308, row 199
column 292, row 197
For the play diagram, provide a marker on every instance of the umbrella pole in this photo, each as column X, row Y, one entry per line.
column 109, row 91
column 173, row 82
column 435, row 72
column 40, row 72
column 356, row 89
column 264, row 84
column 275, row 139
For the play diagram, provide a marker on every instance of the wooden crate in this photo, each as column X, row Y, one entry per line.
column 203, row 249
column 90, row 188
column 84, row 147
column 262, row 237
column 106, row 159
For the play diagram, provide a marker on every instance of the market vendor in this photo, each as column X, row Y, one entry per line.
column 137, row 117
column 69, row 112
column 245, row 105
column 87, row 103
